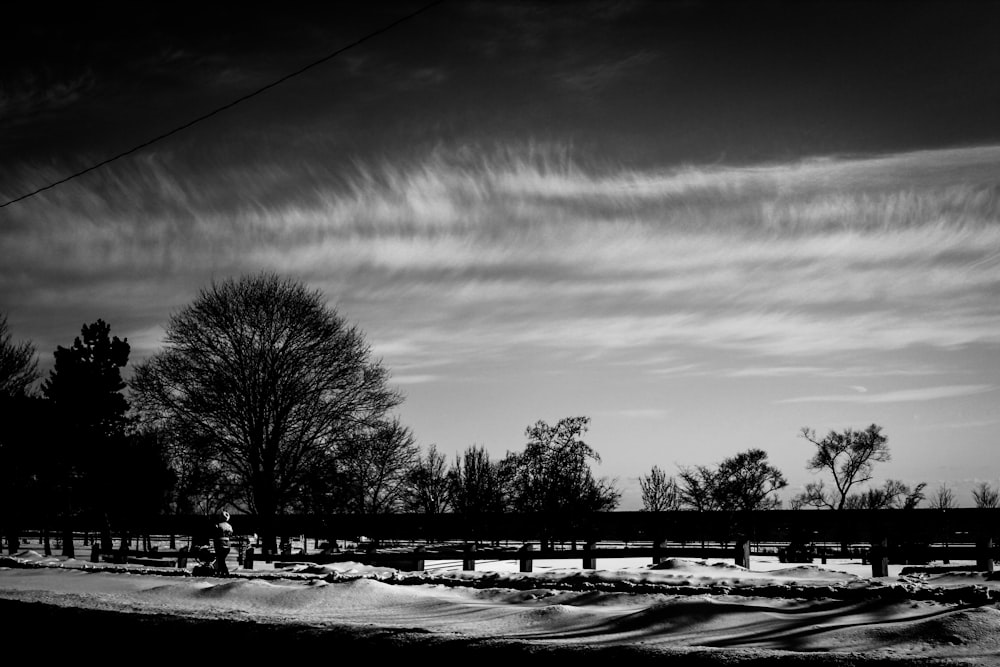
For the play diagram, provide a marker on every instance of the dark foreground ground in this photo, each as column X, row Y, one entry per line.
column 33, row 629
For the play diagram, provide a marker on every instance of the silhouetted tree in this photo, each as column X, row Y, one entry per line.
column 20, row 455
column 148, row 485
column 200, row 486
column 659, row 491
column 18, row 365
column 429, row 484
column 943, row 498
column 697, row 488
column 894, row 494
column 375, row 468
column 90, row 411
column 553, row 472
column 849, row 457
column 477, row 484
column 985, row 495
column 747, row 482
column 263, row 381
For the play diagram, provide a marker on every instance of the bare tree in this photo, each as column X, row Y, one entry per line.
column 18, row 365
column 849, row 457
column 479, row 484
column 659, row 491
column 553, row 473
column 894, row 494
column 943, row 498
column 263, row 380
column 375, row 467
column 697, row 488
column 985, row 495
column 745, row 481
column 21, row 460
column 748, row 482
column 430, row 486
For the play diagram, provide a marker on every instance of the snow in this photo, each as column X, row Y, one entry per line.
column 711, row 610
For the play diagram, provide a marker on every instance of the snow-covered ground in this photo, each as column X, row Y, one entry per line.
column 693, row 611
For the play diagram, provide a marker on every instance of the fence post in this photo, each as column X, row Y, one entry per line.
column 418, row 559
column 122, row 555
column 879, row 556
column 469, row 562
column 248, row 559
column 589, row 561
column 658, row 557
column 525, row 561
column 743, row 551
column 984, row 554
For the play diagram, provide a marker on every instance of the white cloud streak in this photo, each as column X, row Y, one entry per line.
column 900, row 396
column 464, row 255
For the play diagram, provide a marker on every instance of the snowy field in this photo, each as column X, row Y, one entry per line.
column 684, row 611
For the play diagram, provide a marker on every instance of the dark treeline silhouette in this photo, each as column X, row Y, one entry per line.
column 266, row 402
column 747, row 481
column 71, row 453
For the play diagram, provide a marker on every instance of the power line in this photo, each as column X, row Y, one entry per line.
column 218, row 110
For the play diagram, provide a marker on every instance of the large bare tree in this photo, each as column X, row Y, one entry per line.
column 261, row 379
column 849, row 458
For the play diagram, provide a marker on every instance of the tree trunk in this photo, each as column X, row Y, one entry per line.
column 107, row 544
column 68, row 549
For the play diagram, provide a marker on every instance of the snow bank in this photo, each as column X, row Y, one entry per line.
column 678, row 607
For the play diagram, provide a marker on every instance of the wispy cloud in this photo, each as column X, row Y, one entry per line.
column 413, row 379
column 831, row 371
column 594, row 78
column 462, row 253
column 900, row 396
column 637, row 413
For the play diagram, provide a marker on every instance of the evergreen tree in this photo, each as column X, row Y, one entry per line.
column 85, row 391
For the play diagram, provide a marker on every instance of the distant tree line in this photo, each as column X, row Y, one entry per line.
column 747, row 481
column 70, row 452
column 266, row 401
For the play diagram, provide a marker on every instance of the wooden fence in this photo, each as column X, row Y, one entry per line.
column 918, row 534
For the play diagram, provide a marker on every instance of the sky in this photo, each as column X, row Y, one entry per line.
column 704, row 225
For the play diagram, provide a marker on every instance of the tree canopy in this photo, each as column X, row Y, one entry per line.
column 90, row 446
column 745, row 481
column 18, row 365
column 429, row 484
column 86, row 382
column 553, row 472
column 262, row 380
column 478, row 484
column 659, row 491
column 848, row 457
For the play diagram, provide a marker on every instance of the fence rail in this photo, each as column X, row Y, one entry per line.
column 775, row 525
column 884, row 532
column 414, row 558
